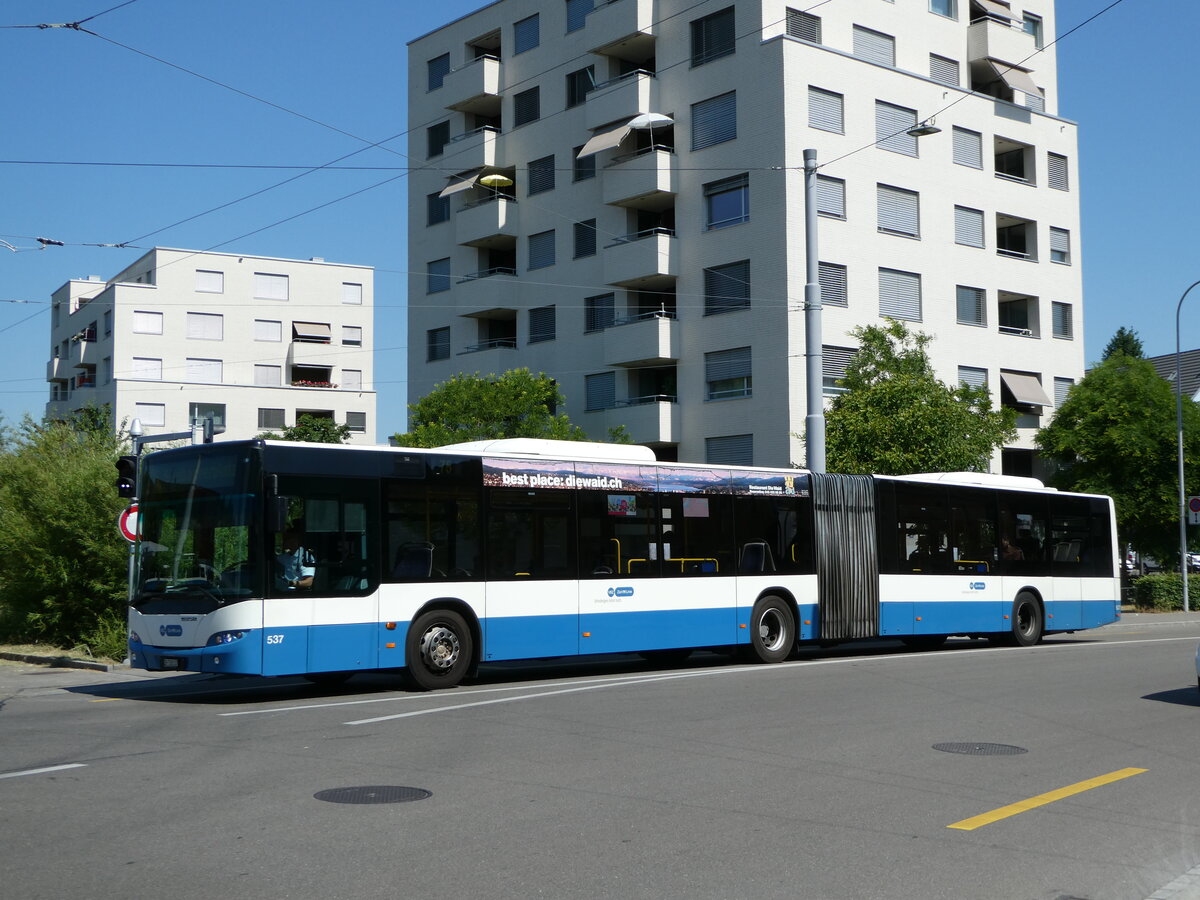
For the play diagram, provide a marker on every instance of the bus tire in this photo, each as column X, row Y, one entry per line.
column 438, row 649
column 772, row 630
column 1027, row 622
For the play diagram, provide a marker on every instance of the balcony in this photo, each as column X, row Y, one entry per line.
column 491, row 344
column 490, row 223
column 647, row 260
column 622, row 28
column 474, row 149
column 995, row 39
column 645, row 340
column 487, row 289
column 620, row 98
column 649, row 420
column 56, row 370
column 308, row 353
column 83, row 354
column 475, row 87
column 644, row 180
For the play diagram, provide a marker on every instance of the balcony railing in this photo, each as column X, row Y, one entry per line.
column 494, row 343
column 1014, row 330
column 640, row 235
column 648, row 398
column 488, row 273
column 304, row 382
column 641, row 317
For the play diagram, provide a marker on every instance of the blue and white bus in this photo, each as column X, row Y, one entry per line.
column 276, row 558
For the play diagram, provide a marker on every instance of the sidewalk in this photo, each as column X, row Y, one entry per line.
column 61, row 661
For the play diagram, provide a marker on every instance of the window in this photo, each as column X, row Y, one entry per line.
column 267, row 330
column 1017, row 314
column 729, row 450
column 352, row 294
column 1056, row 172
column 541, row 324
column 1013, row 162
column 727, row 202
column 874, row 46
column 268, row 376
column 891, row 128
column 270, row 287
column 899, row 210
column 968, row 226
column 270, row 418
column 577, row 12
column 825, row 110
column 727, row 374
column 352, row 336
column 437, row 276
column 947, row 8
column 106, row 370
column 154, row 414
column 970, row 376
column 972, row 307
column 146, row 369
column 436, row 137
column 1016, row 238
column 713, row 37
column 526, row 34
column 436, row 70
column 206, row 371
column 804, row 26
column 579, row 85
column 356, row 422
column 205, row 326
column 834, row 361
column 352, row 379
column 145, row 322
column 943, row 70
column 714, row 121
column 585, row 238
column 831, row 197
column 526, row 107
column 209, row 282
column 541, row 250
column 108, row 320
column 437, row 344
column 582, row 169
column 900, row 295
column 437, row 208
column 968, row 148
column 599, row 312
column 727, row 288
column 1032, row 24
column 1062, row 388
column 1060, row 246
column 1064, row 326
column 834, row 284
column 541, row 175
column 600, row 391
column 202, row 411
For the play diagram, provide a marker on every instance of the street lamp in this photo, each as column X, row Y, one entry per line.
column 1183, row 554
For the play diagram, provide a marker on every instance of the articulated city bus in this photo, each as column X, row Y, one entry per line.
column 276, row 558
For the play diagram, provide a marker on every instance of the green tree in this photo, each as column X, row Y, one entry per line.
column 65, row 565
column 896, row 417
column 313, row 430
column 1124, row 341
column 476, row 408
column 1116, row 434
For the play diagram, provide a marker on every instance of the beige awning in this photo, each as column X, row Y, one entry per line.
column 1025, row 389
column 994, row 8
column 1017, row 79
column 462, row 182
column 312, row 331
column 605, row 140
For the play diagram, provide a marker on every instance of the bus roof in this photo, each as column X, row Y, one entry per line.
column 980, row 479
column 565, row 450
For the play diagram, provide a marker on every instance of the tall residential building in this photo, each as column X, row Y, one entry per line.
column 254, row 342
column 613, row 193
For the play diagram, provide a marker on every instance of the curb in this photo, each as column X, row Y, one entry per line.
column 57, row 662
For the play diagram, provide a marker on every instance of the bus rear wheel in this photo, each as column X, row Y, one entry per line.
column 438, row 649
column 1027, row 623
column 772, row 630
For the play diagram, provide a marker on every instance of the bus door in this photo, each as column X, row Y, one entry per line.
column 532, row 604
column 846, row 556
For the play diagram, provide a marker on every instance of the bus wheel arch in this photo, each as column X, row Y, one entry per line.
column 1027, row 620
column 442, row 644
column 773, row 628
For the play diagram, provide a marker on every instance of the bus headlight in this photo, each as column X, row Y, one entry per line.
column 225, row 637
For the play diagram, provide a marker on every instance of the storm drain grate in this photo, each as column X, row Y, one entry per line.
column 374, row 793
column 978, row 749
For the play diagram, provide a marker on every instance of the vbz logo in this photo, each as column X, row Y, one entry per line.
column 170, row 630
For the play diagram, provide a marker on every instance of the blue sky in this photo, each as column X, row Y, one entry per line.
column 70, row 96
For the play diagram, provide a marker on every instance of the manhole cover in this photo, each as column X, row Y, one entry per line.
column 375, row 793
column 978, row 749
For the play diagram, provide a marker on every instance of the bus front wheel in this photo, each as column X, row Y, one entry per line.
column 772, row 630
column 438, row 649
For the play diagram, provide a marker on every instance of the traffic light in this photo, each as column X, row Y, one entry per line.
column 127, row 476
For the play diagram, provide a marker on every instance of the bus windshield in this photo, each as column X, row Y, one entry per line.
column 199, row 527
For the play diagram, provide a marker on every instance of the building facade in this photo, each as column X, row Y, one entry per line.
column 613, row 193
column 252, row 342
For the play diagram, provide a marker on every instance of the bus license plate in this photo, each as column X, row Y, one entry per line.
column 170, row 662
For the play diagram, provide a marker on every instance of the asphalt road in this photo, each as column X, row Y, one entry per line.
column 819, row 778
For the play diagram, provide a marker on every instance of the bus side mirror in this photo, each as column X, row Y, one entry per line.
column 277, row 514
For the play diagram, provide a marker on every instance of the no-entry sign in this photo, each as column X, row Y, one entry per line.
column 127, row 522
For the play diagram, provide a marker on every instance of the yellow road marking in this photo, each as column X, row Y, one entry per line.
column 1021, row 806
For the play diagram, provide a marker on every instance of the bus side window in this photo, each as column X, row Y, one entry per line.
column 973, row 530
column 529, row 534
column 1023, row 534
column 617, row 534
column 697, row 535
column 922, row 529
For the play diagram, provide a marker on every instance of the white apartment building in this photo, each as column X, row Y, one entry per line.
column 251, row 341
column 613, row 193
